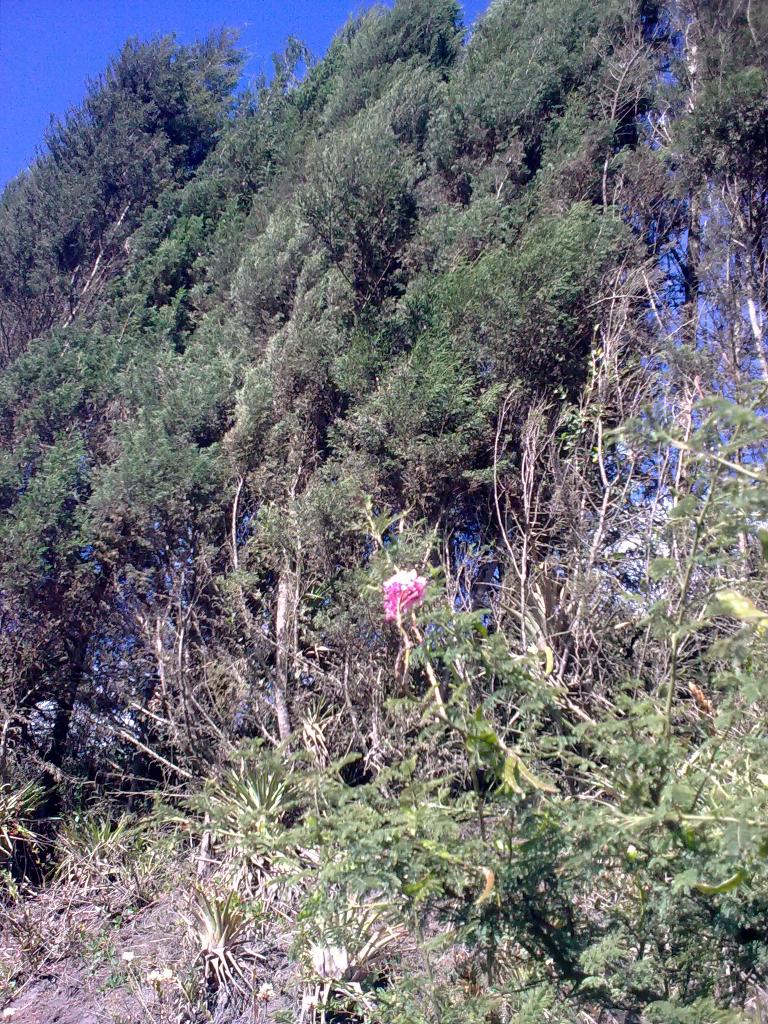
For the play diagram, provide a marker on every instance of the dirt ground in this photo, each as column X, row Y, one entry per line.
column 77, row 964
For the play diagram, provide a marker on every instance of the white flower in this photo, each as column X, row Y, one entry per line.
column 128, row 957
column 329, row 961
column 158, row 977
column 265, row 993
column 8, row 1012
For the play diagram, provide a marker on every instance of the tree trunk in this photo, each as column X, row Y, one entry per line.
column 282, row 636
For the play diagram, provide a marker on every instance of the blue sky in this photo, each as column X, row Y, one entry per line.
column 49, row 48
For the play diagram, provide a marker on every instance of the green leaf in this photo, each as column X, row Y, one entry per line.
column 515, row 772
column 549, row 660
column 731, row 602
column 661, row 567
column 728, row 885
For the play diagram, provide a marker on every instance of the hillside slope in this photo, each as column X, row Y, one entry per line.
column 383, row 511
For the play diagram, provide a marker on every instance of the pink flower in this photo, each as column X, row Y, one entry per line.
column 402, row 591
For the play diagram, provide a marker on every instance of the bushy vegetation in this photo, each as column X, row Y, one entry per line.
column 481, row 314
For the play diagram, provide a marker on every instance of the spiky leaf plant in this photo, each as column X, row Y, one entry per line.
column 17, row 807
column 218, row 927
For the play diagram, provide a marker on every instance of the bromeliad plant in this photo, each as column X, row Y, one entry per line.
column 247, row 809
column 249, row 799
column 342, row 946
column 17, row 808
column 18, row 805
column 218, row 927
column 92, row 848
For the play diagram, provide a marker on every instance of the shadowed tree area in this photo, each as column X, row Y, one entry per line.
column 384, row 516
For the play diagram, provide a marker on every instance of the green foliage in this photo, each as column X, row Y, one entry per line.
column 154, row 483
column 360, row 204
column 522, row 312
column 17, row 809
column 219, row 924
column 247, row 810
column 424, row 423
column 727, row 129
column 381, row 42
column 43, row 532
column 519, row 67
column 490, row 310
column 146, row 124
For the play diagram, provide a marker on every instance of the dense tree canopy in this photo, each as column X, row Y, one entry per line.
column 490, row 306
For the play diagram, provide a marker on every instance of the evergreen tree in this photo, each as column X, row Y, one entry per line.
column 480, row 320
